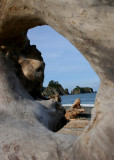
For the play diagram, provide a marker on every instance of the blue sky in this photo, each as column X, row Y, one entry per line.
column 64, row 63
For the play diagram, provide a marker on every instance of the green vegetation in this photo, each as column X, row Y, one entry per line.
column 54, row 88
column 54, row 84
column 78, row 90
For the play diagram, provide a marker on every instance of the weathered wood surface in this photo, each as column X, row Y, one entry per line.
column 73, row 113
column 25, row 123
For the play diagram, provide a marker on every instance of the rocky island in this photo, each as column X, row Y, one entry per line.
column 54, row 88
column 79, row 90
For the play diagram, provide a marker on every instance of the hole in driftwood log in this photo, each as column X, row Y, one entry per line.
column 29, row 67
column 63, row 61
column 89, row 26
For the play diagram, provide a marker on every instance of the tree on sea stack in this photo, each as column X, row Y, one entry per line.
column 79, row 90
column 54, row 88
column 54, row 84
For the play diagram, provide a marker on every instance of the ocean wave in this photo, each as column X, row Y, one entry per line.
column 84, row 105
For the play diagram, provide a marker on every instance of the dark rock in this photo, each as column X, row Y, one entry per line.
column 54, row 88
column 66, row 91
column 56, row 97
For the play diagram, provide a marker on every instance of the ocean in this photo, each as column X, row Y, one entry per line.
column 87, row 99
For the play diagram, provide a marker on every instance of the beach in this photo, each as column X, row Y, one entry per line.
column 77, row 125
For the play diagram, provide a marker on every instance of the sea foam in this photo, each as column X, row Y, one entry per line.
column 84, row 105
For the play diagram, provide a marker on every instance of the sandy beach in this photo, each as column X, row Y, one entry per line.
column 77, row 125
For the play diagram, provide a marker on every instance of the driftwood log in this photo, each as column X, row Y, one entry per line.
column 72, row 113
column 74, row 110
column 24, row 122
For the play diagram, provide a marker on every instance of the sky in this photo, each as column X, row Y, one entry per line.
column 64, row 63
